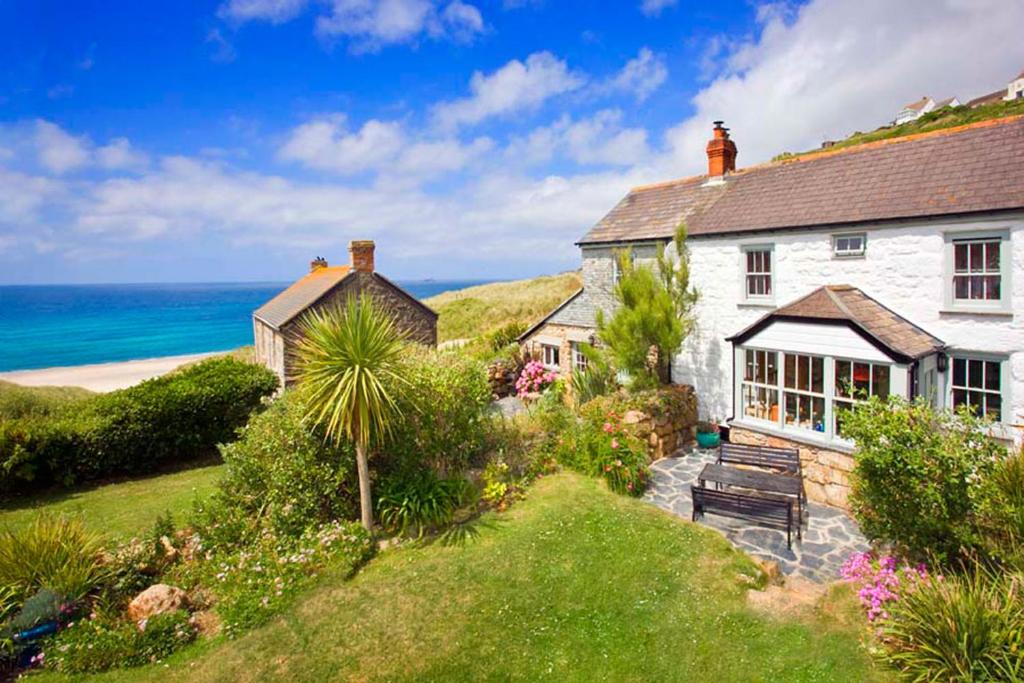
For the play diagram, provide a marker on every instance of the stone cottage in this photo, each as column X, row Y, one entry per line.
column 276, row 324
column 889, row 268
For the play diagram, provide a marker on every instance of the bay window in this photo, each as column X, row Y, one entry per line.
column 806, row 393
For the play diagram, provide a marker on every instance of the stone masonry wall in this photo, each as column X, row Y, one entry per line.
column 669, row 426
column 826, row 472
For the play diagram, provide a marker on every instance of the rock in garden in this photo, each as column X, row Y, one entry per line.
column 157, row 599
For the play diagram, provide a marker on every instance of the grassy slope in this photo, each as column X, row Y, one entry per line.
column 16, row 400
column 573, row 584
column 120, row 510
column 936, row 120
column 478, row 310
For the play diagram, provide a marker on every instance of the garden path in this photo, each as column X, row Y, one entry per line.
column 829, row 535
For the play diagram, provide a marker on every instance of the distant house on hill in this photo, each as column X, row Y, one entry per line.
column 1014, row 91
column 277, row 323
column 1015, row 88
column 919, row 108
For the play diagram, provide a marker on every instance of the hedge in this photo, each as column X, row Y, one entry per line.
column 174, row 418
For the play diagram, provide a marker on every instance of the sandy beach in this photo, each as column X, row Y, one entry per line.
column 102, row 376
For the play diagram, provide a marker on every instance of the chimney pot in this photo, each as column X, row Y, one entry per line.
column 317, row 263
column 721, row 152
column 361, row 255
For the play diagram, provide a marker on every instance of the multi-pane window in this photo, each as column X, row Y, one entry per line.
column 579, row 361
column 804, row 395
column 550, row 352
column 758, row 277
column 849, row 246
column 977, row 270
column 760, row 388
column 856, row 381
column 978, row 383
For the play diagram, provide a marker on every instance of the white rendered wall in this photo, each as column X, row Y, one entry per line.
column 902, row 268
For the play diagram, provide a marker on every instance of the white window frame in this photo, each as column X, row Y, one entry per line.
column 770, row 273
column 897, row 386
column 853, row 401
column 579, row 361
column 1006, row 406
column 808, row 393
column 755, row 385
column 544, row 349
column 1001, row 305
column 849, row 253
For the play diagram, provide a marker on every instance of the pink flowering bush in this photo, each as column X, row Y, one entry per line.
column 606, row 449
column 882, row 580
column 534, row 379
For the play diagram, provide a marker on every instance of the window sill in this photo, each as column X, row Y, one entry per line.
column 802, row 437
column 755, row 303
column 993, row 312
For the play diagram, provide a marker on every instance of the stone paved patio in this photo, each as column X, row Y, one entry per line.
column 829, row 534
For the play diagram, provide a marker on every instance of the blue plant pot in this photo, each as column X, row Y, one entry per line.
column 709, row 439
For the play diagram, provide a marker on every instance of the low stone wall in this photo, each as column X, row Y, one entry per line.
column 666, row 419
column 826, row 472
column 502, row 376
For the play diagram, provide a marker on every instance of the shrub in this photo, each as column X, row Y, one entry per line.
column 416, row 502
column 506, row 335
column 443, row 420
column 251, row 582
column 174, row 418
column 597, row 380
column 51, row 552
column 917, row 475
column 966, row 627
column 94, row 645
column 534, row 379
column 1001, row 512
column 18, row 401
column 282, row 470
column 605, row 449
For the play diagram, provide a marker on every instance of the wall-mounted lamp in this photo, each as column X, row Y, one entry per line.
column 942, row 362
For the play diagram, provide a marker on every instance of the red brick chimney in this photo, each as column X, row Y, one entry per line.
column 721, row 152
column 361, row 255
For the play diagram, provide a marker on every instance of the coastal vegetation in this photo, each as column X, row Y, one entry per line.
column 477, row 311
column 947, row 117
column 17, row 401
column 171, row 419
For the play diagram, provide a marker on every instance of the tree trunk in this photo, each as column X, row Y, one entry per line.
column 365, row 501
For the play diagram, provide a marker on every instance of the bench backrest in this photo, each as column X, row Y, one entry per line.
column 777, row 510
column 779, row 459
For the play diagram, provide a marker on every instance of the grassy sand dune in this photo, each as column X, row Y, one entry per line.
column 478, row 310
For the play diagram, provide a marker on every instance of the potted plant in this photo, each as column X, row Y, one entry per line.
column 707, row 434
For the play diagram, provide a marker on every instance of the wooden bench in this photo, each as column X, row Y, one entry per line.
column 785, row 460
column 775, row 511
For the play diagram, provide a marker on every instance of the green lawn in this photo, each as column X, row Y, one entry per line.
column 572, row 584
column 123, row 509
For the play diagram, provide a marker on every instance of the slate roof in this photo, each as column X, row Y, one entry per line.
column 300, row 295
column 893, row 333
column 994, row 96
column 582, row 314
column 967, row 169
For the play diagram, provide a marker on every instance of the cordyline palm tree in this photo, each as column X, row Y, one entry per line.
column 348, row 358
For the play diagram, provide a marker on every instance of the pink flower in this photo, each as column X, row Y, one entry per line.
column 608, row 427
column 615, row 444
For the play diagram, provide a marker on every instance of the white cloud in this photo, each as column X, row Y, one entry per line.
column 224, row 51
column 120, row 155
column 653, row 8
column 516, row 86
column 57, row 150
column 595, row 140
column 835, row 67
column 641, row 75
column 327, row 145
column 274, row 11
column 372, row 24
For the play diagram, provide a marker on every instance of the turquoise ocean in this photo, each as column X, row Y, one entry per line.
column 66, row 325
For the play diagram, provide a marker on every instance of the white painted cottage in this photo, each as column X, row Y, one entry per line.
column 894, row 267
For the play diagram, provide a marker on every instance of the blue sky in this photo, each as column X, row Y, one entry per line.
column 235, row 139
